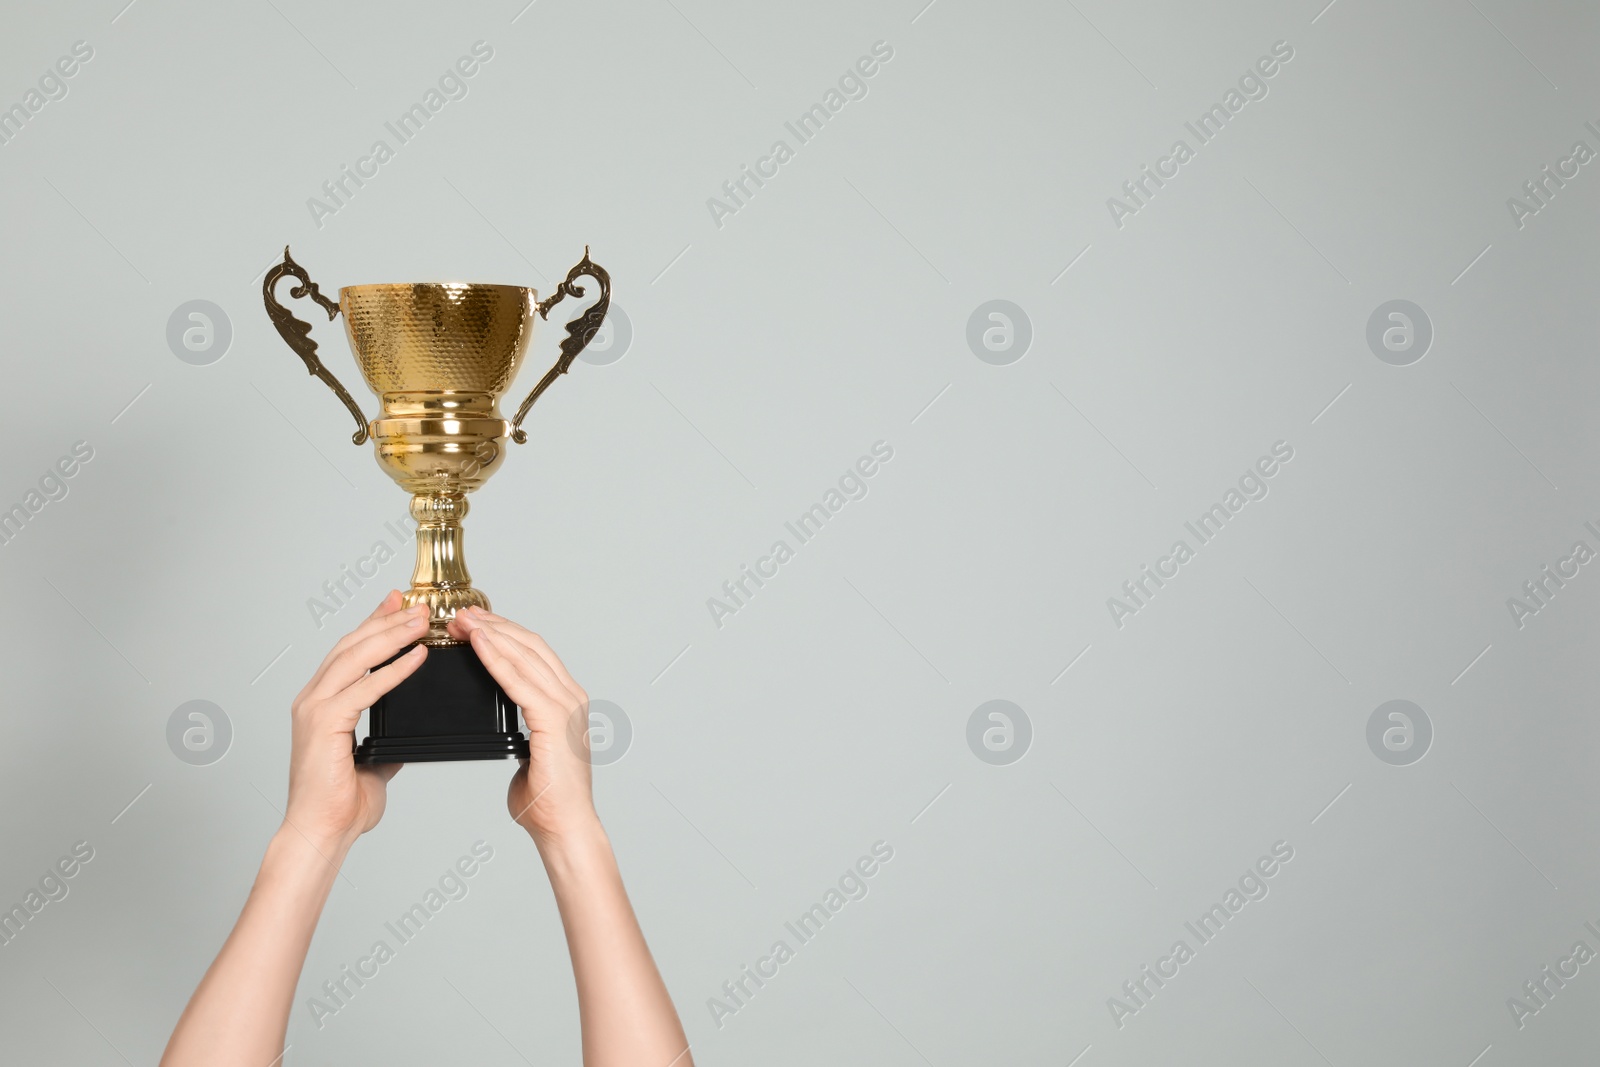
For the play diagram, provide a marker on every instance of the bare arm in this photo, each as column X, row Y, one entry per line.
column 240, row 1011
column 239, row 1014
column 626, row 1014
column 623, row 1006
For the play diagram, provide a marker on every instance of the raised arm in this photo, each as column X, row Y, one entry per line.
column 627, row 1017
column 240, row 1012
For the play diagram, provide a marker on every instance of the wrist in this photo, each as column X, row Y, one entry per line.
column 575, row 850
column 556, row 822
column 293, row 852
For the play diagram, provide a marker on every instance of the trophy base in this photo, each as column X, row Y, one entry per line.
column 450, row 708
column 442, row 747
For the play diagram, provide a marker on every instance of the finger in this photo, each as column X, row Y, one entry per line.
column 375, row 622
column 531, row 662
column 535, row 643
column 394, row 633
column 388, row 605
column 515, row 675
column 531, row 641
column 460, row 625
column 343, row 709
column 508, row 668
column 402, row 628
column 391, row 603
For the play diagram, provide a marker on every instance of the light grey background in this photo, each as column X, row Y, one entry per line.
column 767, row 355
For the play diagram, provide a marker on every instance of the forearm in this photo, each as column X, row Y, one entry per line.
column 627, row 1017
column 240, row 1011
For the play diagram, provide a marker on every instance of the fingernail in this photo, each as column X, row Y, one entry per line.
column 416, row 653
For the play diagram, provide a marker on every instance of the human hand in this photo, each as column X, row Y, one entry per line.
column 331, row 800
column 551, row 795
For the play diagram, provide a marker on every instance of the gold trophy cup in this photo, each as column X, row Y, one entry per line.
column 439, row 355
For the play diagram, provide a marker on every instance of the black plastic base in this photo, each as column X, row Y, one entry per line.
column 450, row 708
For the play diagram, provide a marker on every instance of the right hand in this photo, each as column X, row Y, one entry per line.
column 551, row 795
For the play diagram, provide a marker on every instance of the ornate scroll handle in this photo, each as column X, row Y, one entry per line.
column 298, row 334
column 580, row 331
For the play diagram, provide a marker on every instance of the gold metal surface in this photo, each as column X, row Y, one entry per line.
column 438, row 355
column 450, row 337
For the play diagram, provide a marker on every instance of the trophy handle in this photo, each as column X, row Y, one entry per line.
column 298, row 334
column 580, row 331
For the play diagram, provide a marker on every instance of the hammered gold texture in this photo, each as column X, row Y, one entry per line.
column 450, row 336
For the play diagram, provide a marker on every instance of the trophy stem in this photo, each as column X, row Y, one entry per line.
column 449, row 708
column 440, row 579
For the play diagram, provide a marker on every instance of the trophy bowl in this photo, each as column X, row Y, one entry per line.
column 439, row 356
